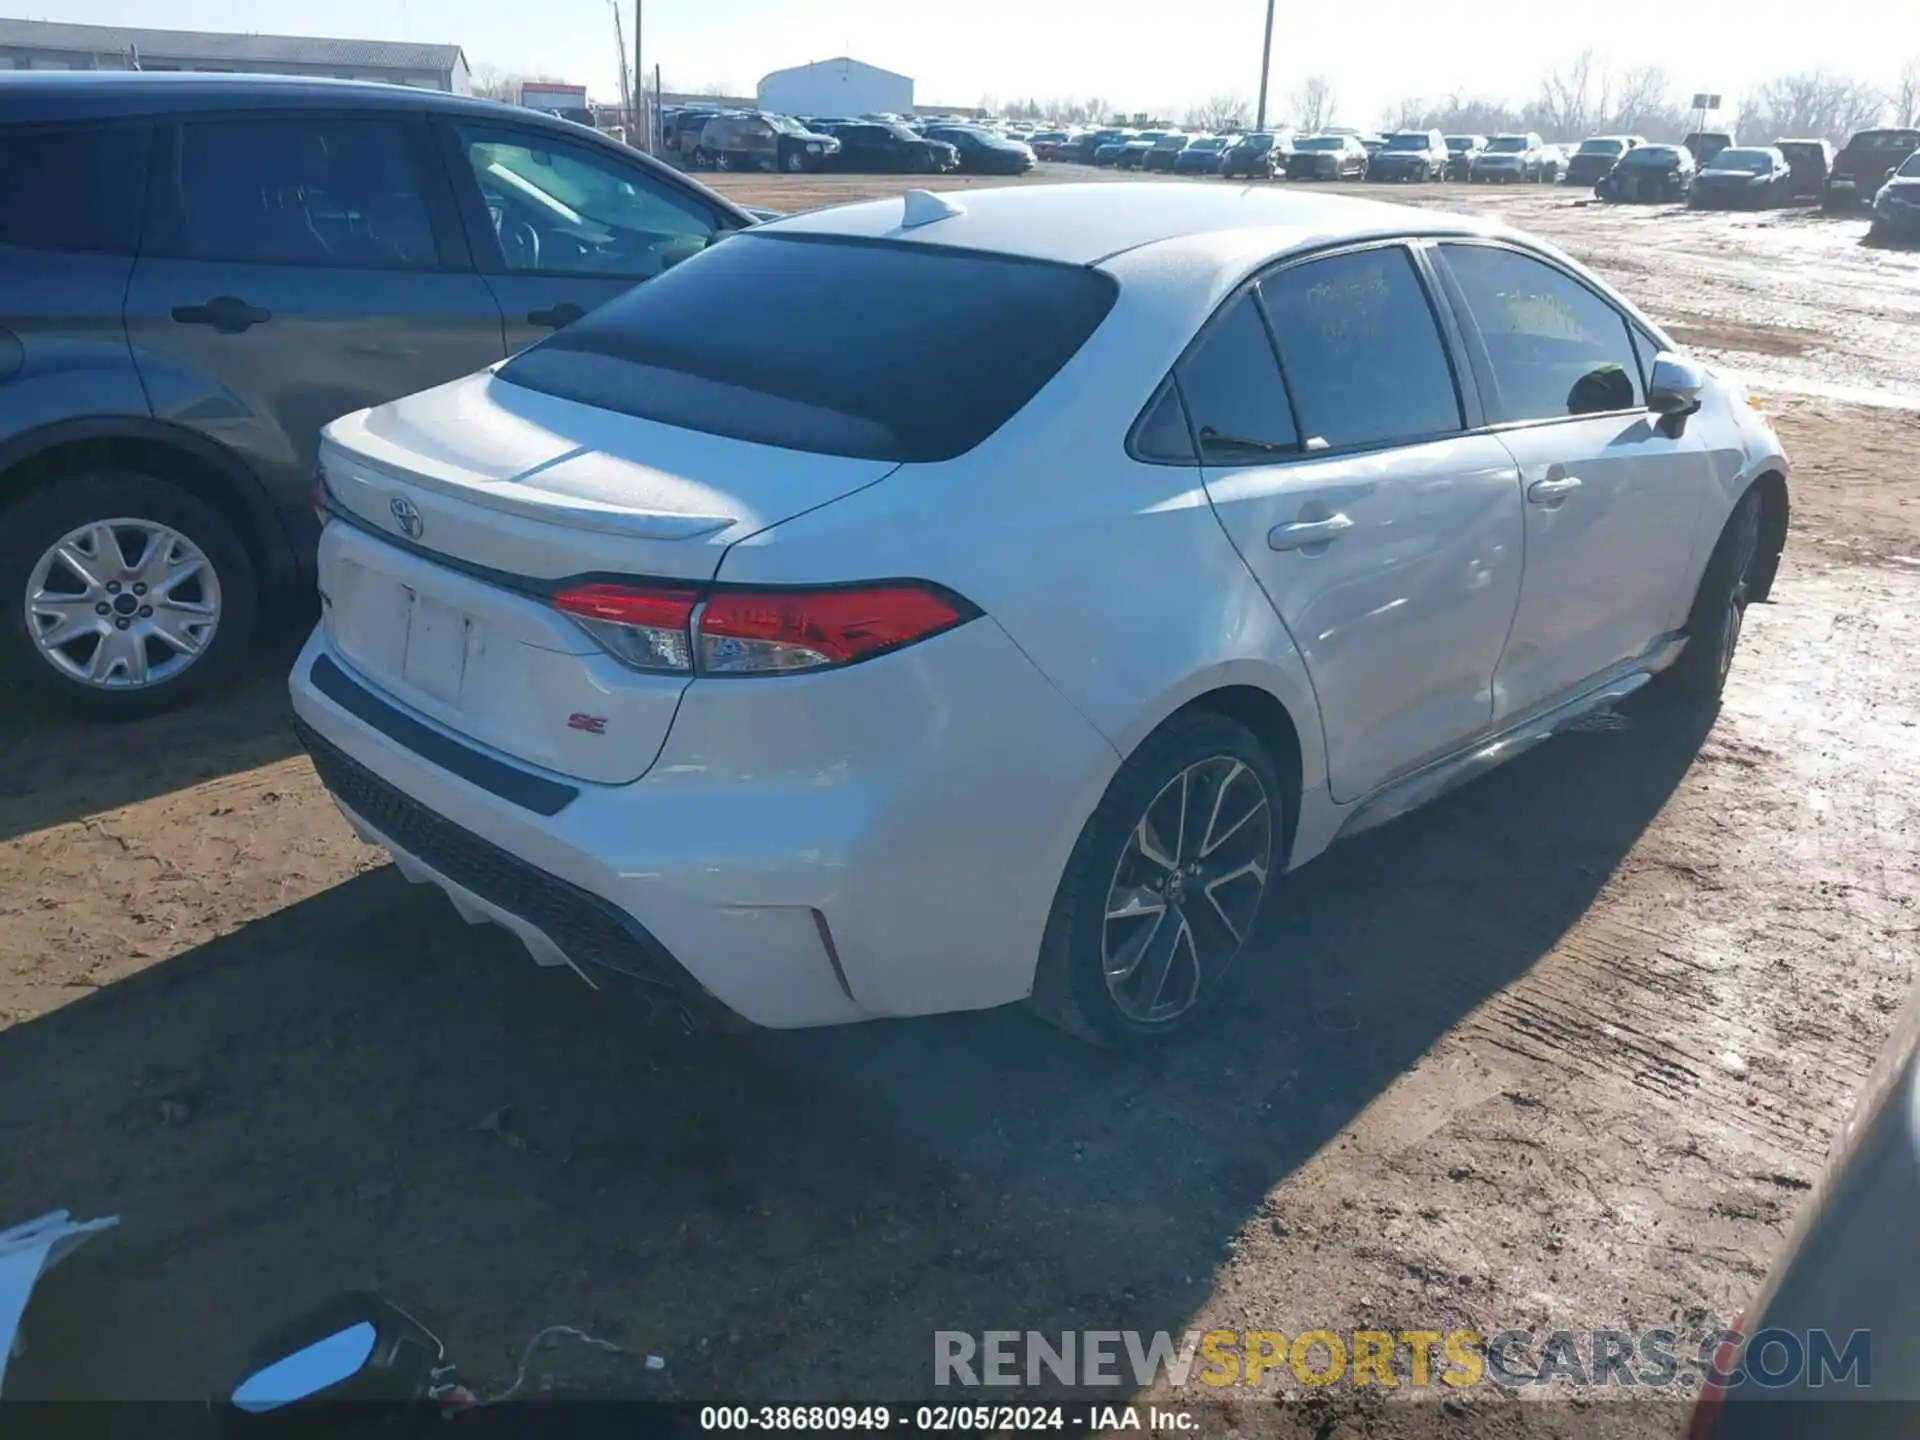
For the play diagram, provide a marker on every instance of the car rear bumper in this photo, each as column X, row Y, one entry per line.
column 883, row 840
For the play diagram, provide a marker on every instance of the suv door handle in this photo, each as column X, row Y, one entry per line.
column 225, row 313
column 565, row 313
column 1303, row 533
column 1552, row 491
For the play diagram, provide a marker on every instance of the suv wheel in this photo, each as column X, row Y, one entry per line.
column 1719, row 608
column 123, row 595
column 1168, row 881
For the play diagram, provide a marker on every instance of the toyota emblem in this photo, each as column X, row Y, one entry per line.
column 406, row 517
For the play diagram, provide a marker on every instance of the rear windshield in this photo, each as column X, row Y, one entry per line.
column 1508, row 144
column 1602, row 147
column 1407, row 142
column 877, row 350
column 1904, row 141
column 1754, row 162
column 1323, row 142
column 1462, row 142
column 1653, row 155
column 1172, row 142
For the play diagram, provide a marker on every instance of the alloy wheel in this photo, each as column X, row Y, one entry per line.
column 1186, row 889
column 122, row 604
column 1745, row 543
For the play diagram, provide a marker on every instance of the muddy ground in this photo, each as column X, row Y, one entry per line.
column 1564, row 1050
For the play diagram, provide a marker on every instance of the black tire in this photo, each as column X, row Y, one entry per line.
column 1070, row 987
column 32, row 525
column 1719, row 608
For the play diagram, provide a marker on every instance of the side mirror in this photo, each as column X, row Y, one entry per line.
column 356, row 1347
column 1674, row 393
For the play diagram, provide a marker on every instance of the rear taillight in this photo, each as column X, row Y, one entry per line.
column 669, row 629
column 1713, row 1395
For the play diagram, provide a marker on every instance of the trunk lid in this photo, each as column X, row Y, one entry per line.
column 463, row 506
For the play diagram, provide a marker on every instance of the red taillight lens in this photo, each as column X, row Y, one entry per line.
column 645, row 626
column 762, row 631
column 757, row 632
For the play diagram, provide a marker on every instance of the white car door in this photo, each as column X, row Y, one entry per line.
column 1386, row 537
column 1613, row 498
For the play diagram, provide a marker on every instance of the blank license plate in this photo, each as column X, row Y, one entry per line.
column 436, row 648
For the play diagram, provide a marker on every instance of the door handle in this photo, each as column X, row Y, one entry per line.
column 1552, row 491
column 225, row 313
column 1304, row 533
column 563, row 314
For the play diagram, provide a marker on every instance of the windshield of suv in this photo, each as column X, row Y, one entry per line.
column 787, row 125
column 1752, row 162
column 1507, row 145
column 1407, row 142
column 842, row 365
column 1602, row 147
column 1323, row 142
column 901, row 132
column 1656, row 155
column 1173, row 142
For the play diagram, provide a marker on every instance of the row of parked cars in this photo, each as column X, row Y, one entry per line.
column 1339, row 154
column 760, row 140
column 1878, row 169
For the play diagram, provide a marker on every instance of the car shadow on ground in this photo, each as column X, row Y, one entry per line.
column 359, row 1091
column 56, row 767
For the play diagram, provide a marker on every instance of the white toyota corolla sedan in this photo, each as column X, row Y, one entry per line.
column 927, row 604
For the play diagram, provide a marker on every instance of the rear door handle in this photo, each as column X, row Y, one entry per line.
column 1552, row 491
column 225, row 313
column 1304, row 533
column 563, row 314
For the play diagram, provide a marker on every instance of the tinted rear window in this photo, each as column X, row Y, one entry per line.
column 872, row 349
column 71, row 188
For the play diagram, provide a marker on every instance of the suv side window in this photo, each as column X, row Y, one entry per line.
column 1235, row 396
column 317, row 191
column 71, row 187
column 563, row 209
column 1362, row 350
column 1557, row 349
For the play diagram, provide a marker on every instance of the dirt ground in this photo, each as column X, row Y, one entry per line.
column 1563, row 1051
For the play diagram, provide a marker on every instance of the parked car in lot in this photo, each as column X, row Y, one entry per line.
column 1866, row 163
column 1327, row 157
column 1703, row 145
column 1511, row 157
column 1410, row 155
column 983, row 152
column 1896, row 207
column 680, row 131
column 1373, row 144
column 773, row 143
column 1045, row 142
column 1134, row 152
column 1597, row 154
column 1742, row 178
column 1081, row 149
column 1167, row 150
column 1462, row 151
column 1108, row 151
column 308, row 247
column 888, row 146
column 1259, row 156
column 1204, row 155
column 1810, row 160
column 553, row 681
column 1649, row 173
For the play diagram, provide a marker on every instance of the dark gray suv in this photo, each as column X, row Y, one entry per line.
column 197, row 272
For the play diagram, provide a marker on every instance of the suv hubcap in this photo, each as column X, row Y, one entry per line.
column 1186, row 889
column 120, row 604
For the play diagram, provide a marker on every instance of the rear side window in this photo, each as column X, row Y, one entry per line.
column 300, row 192
column 71, row 187
column 1362, row 350
column 1232, row 386
column 873, row 349
column 1557, row 348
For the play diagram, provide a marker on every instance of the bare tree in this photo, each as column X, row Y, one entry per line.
column 1408, row 113
column 1644, row 100
column 1574, row 96
column 716, row 88
column 1906, row 94
column 1313, row 104
column 1221, row 113
column 490, row 82
column 1812, row 103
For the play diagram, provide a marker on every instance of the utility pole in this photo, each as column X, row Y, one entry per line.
column 640, row 75
column 626, row 84
column 1266, row 64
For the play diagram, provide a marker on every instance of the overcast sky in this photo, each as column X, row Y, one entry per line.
column 962, row 49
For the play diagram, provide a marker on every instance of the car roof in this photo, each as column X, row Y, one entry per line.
column 101, row 94
column 1084, row 224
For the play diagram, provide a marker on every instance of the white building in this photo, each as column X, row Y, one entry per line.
column 836, row 87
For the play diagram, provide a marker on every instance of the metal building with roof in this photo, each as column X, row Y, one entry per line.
column 56, row 45
column 837, row 87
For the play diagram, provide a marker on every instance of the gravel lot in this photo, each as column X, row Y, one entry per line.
column 1564, row 1050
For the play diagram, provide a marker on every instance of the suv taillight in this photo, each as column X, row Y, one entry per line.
column 672, row 629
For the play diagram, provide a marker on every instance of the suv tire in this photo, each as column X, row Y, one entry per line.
column 1719, row 608
column 148, row 509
